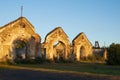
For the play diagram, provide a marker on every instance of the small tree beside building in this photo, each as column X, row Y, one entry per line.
column 113, row 56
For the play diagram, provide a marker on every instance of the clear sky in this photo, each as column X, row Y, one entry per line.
column 98, row 19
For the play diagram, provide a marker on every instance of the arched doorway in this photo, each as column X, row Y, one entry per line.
column 82, row 47
column 51, row 38
column 20, row 50
column 82, row 53
column 59, row 51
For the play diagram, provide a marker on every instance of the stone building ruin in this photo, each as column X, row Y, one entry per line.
column 81, row 46
column 57, row 44
column 18, row 40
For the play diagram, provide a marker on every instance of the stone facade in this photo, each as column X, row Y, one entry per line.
column 101, row 52
column 18, row 39
column 20, row 30
column 59, row 36
column 81, row 46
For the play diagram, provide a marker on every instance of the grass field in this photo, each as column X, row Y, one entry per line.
column 87, row 68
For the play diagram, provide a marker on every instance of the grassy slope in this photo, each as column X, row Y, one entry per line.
column 70, row 68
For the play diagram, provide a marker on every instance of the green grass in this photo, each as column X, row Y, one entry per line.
column 70, row 67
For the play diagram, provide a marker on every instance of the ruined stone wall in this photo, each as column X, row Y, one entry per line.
column 22, row 30
column 4, row 52
column 81, row 41
column 19, row 29
column 56, row 35
column 101, row 52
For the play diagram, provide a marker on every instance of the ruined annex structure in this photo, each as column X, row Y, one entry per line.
column 81, row 46
column 100, row 51
column 19, row 41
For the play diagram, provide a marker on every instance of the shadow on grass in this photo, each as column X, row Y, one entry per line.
column 94, row 68
column 78, row 67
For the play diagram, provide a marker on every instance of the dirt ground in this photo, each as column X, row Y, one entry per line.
column 19, row 74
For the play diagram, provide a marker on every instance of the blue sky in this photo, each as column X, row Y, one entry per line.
column 98, row 19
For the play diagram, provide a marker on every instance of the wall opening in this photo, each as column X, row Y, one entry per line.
column 20, row 50
column 82, row 53
column 59, row 51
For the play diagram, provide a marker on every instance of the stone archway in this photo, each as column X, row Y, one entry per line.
column 81, row 45
column 56, row 35
column 20, row 50
column 82, row 53
column 59, row 51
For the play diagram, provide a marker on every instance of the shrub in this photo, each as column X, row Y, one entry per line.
column 95, row 58
column 39, row 60
column 113, row 56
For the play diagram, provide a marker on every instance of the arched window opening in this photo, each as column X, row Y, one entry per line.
column 20, row 50
column 82, row 53
column 59, row 51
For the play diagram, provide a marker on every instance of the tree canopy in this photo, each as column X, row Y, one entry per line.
column 113, row 57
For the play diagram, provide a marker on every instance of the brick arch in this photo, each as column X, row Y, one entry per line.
column 81, row 41
column 56, row 35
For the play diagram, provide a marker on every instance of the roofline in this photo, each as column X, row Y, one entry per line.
column 15, row 21
column 79, row 35
column 53, row 31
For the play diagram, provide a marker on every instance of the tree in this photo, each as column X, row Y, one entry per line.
column 113, row 57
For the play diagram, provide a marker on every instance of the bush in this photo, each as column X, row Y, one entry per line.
column 95, row 58
column 113, row 56
column 39, row 60
column 62, row 60
column 49, row 61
